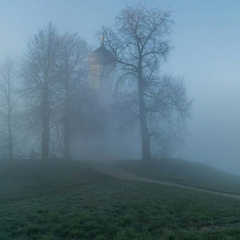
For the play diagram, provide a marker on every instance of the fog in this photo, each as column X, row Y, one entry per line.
column 206, row 50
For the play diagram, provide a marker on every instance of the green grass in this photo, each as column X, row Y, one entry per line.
column 72, row 201
column 185, row 173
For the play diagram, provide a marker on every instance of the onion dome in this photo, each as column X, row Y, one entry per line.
column 101, row 56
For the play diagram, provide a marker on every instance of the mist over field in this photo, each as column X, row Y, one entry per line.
column 119, row 119
column 206, row 50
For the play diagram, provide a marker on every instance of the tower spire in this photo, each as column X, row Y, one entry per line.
column 102, row 38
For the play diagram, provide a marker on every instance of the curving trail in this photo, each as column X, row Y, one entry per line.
column 111, row 170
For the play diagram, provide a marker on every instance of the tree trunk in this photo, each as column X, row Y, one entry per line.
column 10, row 142
column 45, row 144
column 146, row 152
column 66, row 124
column 45, row 133
column 66, row 140
column 9, row 114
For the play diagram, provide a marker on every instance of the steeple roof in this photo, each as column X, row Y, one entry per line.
column 101, row 56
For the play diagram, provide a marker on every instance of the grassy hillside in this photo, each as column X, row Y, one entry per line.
column 185, row 173
column 72, row 201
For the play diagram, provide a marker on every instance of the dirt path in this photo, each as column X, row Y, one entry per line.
column 111, row 170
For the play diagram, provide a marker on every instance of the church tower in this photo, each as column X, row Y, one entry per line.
column 102, row 66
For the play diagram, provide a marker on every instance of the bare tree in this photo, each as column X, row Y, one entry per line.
column 139, row 44
column 73, row 71
column 40, row 73
column 167, row 109
column 8, row 94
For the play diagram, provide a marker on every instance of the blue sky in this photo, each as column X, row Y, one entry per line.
column 206, row 53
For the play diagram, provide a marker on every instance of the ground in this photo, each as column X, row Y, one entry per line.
column 73, row 201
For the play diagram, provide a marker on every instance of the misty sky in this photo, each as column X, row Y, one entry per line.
column 206, row 40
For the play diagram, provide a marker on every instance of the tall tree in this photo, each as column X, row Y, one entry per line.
column 139, row 43
column 8, row 91
column 40, row 73
column 74, row 52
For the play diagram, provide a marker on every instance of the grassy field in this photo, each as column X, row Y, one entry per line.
column 72, row 201
column 185, row 173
